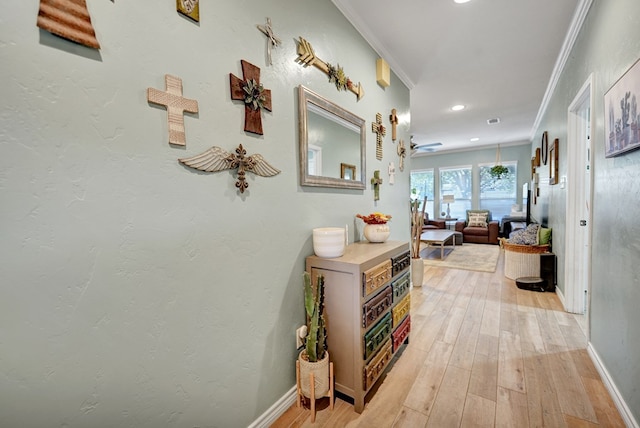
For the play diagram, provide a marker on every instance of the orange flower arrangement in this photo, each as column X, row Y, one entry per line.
column 375, row 218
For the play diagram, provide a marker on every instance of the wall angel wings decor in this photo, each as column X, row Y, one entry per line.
column 217, row 159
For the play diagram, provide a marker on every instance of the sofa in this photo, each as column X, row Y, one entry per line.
column 479, row 227
column 432, row 224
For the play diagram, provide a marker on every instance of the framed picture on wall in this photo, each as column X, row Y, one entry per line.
column 553, row 162
column 622, row 116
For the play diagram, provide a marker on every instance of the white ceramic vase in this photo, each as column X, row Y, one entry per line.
column 329, row 242
column 376, row 232
column 417, row 272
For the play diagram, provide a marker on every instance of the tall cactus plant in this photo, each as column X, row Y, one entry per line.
column 314, row 305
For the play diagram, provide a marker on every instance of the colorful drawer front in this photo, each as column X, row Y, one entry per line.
column 376, row 277
column 376, row 366
column 401, row 333
column 401, row 286
column 401, row 310
column 375, row 308
column 374, row 338
column 400, row 263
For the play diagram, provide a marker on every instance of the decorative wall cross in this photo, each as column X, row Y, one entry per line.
column 272, row 40
column 380, row 132
column 393, row 118
column 376, row 181
column 402, row 152
column 176, row 105
column 217, row 159
column 69, row 19
column 255, row 97
column 306, row 57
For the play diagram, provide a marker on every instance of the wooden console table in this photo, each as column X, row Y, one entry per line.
column 367, row 304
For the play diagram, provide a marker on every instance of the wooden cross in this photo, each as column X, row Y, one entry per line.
column 254, row 96
column 376, row 181
column 176, row 105
column 394, row 123
column 272, row 40
column 380, row 132
column 402, row 152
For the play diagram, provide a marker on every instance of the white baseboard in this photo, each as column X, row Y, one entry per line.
column 274, row 412
column 624, row 410
column 561, row 297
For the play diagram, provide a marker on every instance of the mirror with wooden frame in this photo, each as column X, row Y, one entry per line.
column 330, row 137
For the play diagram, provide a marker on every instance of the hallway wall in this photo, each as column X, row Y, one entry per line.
column 137, row 292
column 608, row 44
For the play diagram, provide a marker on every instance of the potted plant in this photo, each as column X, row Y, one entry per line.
column 314, row 372
column 498, row 171
column 375, row 229
column 417, row 221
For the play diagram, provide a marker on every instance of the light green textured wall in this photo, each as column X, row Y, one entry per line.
column 136, row 292
column 608, row 44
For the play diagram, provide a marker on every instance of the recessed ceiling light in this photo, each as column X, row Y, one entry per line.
column 474, row 139
column 461, row 1
column 457, row 107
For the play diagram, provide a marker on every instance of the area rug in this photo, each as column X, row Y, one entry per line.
column 478, row 257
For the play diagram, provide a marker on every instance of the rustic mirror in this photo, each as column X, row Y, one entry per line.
column 330, row 137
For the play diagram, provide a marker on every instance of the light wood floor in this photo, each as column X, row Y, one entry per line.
column 482, row 353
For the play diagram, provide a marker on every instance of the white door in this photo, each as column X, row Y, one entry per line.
column 579, row 198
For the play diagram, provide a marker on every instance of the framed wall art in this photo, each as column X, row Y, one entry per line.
column 544, row 147
column 553, row 163
column 622, row 121
column 189, row 8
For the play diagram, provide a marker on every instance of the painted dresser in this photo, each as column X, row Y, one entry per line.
column 367, row 303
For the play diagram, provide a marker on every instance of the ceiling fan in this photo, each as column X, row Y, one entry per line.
column 423, row 148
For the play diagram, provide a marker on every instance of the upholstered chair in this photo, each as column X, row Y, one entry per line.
column 479, row 227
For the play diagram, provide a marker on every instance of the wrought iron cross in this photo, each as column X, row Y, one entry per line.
column 176, row 105
column 376, row 181
column 380, row 132
column 255, row 97
column 393, row 118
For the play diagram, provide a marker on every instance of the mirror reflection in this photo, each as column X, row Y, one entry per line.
column 332, row 143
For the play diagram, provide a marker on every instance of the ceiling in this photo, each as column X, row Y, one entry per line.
column 495, row 57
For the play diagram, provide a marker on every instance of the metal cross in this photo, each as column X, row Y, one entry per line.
column 380, row 132
column 272, row 40
column 376, row 181
column 176, row 105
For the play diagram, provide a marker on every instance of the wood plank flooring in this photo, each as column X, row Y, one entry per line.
column 482, row 353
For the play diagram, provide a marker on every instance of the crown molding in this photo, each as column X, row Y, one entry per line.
column 572, row 34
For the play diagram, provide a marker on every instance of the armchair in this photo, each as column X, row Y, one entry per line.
column 485, row 231
column 432, row 224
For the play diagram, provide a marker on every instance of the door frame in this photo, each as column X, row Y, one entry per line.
column 577, row 276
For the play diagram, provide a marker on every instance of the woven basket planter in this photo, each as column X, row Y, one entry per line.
column 522, row 260
column 320, row 370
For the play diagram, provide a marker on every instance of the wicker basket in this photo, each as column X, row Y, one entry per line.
column 522, row 260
